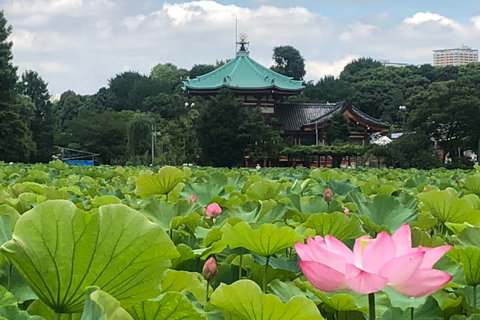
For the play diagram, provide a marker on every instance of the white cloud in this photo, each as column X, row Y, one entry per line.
column 22, row 39
column 318, row 69
column 425, row 17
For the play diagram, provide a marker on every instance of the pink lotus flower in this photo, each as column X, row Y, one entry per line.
column 346, row 211
column 213, row 210
column 328, row 195
column 209, row 270
column 192, row 198
column 374, row 263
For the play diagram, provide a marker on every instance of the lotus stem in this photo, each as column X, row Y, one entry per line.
column 171, row 234
column 69, row 316
column 56, row 316
column 206, row 292
column 411, row 313
column 371, row 306
column 9, row 277
column 265, row 275
column 474, row 298
column 240, row 267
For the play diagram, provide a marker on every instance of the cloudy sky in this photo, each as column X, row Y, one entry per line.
column 79, row 44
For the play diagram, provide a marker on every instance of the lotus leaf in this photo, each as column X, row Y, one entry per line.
column 264, row 190
column 162, row 182
column 469, row 258
column 177, row 281
column 99, row 305
column 448, row 208
column 170, row 306
column 336, row 224
column 60, row 250
column 243, row 300
column 266, row 240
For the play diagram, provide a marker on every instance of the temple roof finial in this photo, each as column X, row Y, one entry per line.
column 242, row 41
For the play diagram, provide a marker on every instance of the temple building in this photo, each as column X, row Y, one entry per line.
column 257, row 86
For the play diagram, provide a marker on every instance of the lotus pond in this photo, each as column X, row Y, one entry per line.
column 132, row 242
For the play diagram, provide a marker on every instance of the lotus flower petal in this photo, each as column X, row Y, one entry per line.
column 401, row 268
column 377, row 252
column 319, row 252
column 403, row 240
column 322, row 277
column 432, row 255
column 363, row 281
column 422, row 282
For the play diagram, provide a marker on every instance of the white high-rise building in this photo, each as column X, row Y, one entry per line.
column 455, row 57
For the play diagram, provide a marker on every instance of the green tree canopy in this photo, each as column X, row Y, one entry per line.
column 337, row 129
column 43, row 125
column 289, row 62
column 219, row 130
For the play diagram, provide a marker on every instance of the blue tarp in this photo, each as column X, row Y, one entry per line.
column 84, row 162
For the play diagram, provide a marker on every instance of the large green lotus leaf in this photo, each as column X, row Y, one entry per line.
column 60, row 250
column 473, row 199
column 12, row 213
column 469, row 236
column 163, row 212
column 341, row 187
column 286, row 290
column 204, row 192
column 428, row 310
column 6, row 298
column 337, row 302
column 472, row 183
column 337, row 224
column 13, row 313
column 386, row 210
column 178, row 281
column 171, row 306
column 266, row 240
column 38, row 308
column 16, row 284
column 398, row 300
column 243, row 300
column 103, row 200
column 264, row 190
column 162, row 182
column 99, row 305
column 308, row 204
column 424, row 239
column 271, row 211
column 447, row 208
column 469, row 258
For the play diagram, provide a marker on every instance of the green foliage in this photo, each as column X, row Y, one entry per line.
column 327, row 89
column 219, row 131
column 91, row 251
column 289, row 62
column 337, row 129
column 168, row 75
column 99, row 305
column 164, row 181
column 244, row 300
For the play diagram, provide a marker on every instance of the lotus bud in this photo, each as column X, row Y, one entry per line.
column 328, row 195
column 210, row 269
column 425, row 189
column 346, row 211
column 192, row 198
column 213, row 210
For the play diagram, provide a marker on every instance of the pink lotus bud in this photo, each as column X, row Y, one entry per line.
column 328, row 195
column 209, row 270
column 425, row 189
column 192, row 198
column 213, row 210
column 346, row 211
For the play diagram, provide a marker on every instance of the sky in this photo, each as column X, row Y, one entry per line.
column 80, row 44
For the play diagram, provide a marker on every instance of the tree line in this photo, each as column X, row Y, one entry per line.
column 118, row 121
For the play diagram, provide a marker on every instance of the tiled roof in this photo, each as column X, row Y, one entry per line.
column 243, row 73
column 292, row 117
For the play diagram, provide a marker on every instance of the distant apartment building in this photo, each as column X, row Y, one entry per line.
column 455, row 57
column 388, row 63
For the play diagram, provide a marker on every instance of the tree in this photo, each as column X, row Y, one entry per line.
column 358, row 65
column 262, row 138
column 139, row 134
column 411, row 150
column 43, row 125
column 199, row 69
column 289, row 62
column 449, row 114
column 337, row 129
column 219, row 133
column 169, row 76
column 68, row 107
column 102, row 101
column 328, row 89
column 104, row 133
column 121, row 86
column 16, row 111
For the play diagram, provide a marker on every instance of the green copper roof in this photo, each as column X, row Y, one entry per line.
column 243, row 73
